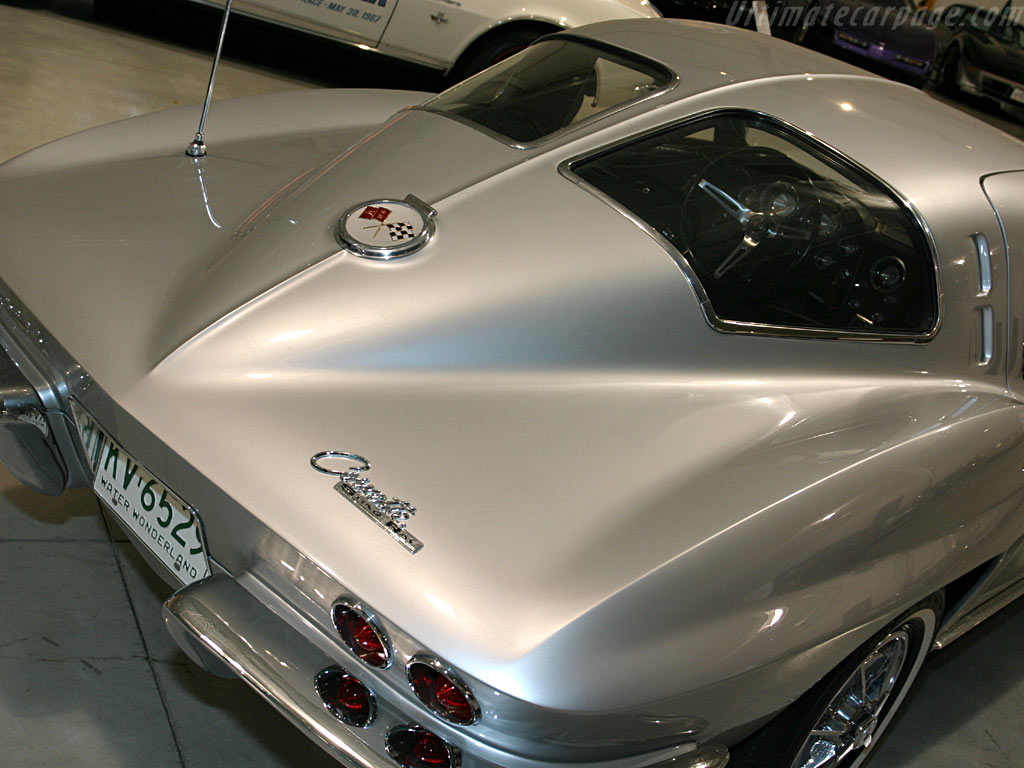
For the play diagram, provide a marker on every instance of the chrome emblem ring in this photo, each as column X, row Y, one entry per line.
column 386, row 229
column 362, row 465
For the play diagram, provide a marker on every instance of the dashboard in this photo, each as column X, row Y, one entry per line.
column 778, row 232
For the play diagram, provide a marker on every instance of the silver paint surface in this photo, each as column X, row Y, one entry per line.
column 711, row 521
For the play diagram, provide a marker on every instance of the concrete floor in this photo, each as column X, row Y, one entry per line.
column 88, row 676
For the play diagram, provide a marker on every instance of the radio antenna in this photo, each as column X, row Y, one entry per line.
column 198, row 148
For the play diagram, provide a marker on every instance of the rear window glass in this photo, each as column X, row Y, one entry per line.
column 777, row 230
column 549, row 86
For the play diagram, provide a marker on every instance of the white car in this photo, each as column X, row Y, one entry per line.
column 457, row 36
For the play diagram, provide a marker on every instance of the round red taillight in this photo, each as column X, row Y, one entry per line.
column 347, row 698
column 442, row 692
column 414, row 747
column 361, row 634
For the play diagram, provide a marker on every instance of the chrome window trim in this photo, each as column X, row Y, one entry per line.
column 370, row 618
column 762, row 329
column 671, row 83
column 439, row 666
column 371, row 697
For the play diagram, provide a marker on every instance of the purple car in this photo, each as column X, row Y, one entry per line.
column 892, row 36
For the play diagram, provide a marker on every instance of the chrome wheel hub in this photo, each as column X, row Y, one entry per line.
column 850, row 721
column 864, row 733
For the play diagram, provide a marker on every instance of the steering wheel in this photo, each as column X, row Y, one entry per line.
column 750, row 217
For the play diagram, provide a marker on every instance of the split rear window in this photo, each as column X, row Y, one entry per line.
column 550, row 86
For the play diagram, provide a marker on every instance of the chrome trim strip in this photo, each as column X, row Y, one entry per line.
column 761, row 329
column 37, row 349
column 50, row 371
column 987, row 335
column 711, row 756
column 984, row 264
column 998, row 78
column 45, row 390
column 970, row 620
column 41, row 454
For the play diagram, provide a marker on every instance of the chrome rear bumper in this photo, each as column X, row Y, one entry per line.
column 38, row 444
column 228, row 631
column 27, row 445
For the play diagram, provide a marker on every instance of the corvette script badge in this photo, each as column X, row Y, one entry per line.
column 390, row 514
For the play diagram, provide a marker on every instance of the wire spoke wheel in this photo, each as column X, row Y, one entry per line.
column 851, row 719
column 836, row 723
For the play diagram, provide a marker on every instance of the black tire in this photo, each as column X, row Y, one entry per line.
column 493, row 48
column 118, row 12
column 949, row 71
column 807, row 33
column 107, row 10
column 889, row 661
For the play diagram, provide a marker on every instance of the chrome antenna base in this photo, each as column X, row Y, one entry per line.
column 197, row 148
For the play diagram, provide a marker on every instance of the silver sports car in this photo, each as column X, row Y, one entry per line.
column 652, row 398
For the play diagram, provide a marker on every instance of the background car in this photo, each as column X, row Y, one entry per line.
column 982, row 55
column 879, row 34
column 694, row 408
column 451, row 35
column 784, row 16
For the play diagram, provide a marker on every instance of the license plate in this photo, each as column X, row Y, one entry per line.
column 159, row 519
column 1018, row 95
